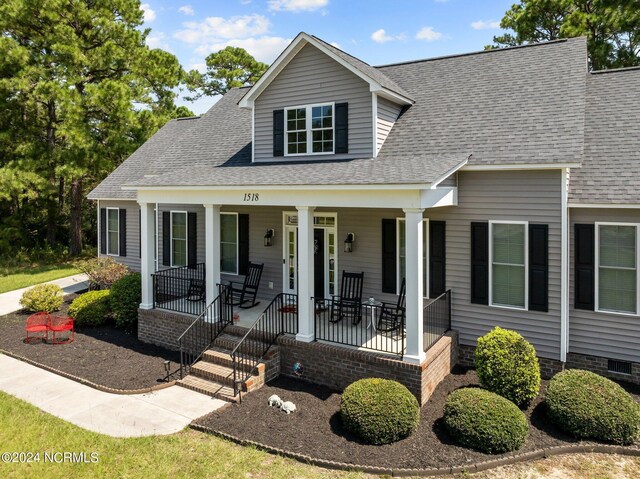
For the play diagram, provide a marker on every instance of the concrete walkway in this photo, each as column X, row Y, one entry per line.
column 160, row 412
column 10, row 301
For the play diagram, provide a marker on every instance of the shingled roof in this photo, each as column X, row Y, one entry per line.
column 610, row 170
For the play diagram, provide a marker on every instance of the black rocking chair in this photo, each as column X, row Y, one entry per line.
column 196, row 291
column 392, row 317
column 246, row 292
column 349, row 303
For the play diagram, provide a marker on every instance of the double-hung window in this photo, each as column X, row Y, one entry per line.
column 178, row 238
column 508, row 264
column 310, row 129
column 229, row 242
column 617, row 268
column 113, row 231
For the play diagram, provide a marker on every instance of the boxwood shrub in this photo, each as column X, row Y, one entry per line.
column 91, row 309
column 126, row 294
column 43, row 297
column 485, row 421
column 507, row 365
column 379, row 411
column 587, row 405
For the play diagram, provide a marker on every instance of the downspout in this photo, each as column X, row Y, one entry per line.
column 564, row 268
column 157, row 252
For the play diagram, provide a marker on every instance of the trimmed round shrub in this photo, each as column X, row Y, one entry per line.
column 485, row 421
column 379, row 411
column 507, row 365
column 126, row 294
column 91, row 309
column 44, row 297
column 587, row 405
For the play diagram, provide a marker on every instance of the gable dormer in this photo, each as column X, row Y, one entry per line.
column 317, row 103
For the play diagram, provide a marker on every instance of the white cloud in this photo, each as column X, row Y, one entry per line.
column 441, row 1
column 245, row 2
column 217, row 29
column 485, row 25
column 381, row 36
column 335, row 44
column 428, row 34
column 264, row 49
column 186, row 10
column 158, row 40
column 297, row 5
column 148, row 12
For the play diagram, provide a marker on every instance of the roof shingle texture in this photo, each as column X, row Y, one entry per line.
column 610, row 170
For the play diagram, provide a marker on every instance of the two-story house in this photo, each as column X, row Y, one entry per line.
column 501, row 187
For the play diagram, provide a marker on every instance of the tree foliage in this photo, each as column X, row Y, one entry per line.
column 79, row 91
column 228, row 68
column 612, row 27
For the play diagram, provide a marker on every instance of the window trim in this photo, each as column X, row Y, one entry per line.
column 526, row 265
column 310, row 130
column 425, row 254
column 236, row 272
column 186, row 237
column 118, row 230
column 596, row 287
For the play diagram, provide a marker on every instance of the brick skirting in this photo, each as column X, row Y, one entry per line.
column 162, row 328
column 337, row 366
column 599, row 365
column 548, row 367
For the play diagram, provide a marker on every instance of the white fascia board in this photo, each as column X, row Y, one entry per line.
column 531, row 166
column 450, row 172
column 439, row 197
column 390, row 95
column 605, row 205
column 408, row 186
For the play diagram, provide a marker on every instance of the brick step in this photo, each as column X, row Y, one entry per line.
column 221, row 374
column 219, row 356
column 210, row 388
column 229, row 342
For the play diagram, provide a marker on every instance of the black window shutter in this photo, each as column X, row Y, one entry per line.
column 278, row 133
column 538, row 267
column 103, row 231
column 480, row 263
column 389, row 280
column 243, row 244
column 584, row 267
column 166, row 238
column 192, row 238
column 123, row 231
column 437, row 258
column 342, row 128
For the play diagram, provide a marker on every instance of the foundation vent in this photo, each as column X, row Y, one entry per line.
column 620, row 367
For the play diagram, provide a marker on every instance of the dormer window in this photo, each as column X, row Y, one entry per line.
column 309, row 130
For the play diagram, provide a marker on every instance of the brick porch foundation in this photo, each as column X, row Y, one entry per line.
column 162, row 328
column 548, row 367
column 599, row 365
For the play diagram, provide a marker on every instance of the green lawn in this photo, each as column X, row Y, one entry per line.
column 22, row 276
column 186, row 454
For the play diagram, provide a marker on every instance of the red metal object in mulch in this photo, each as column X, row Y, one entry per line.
column 60, row 324
column 38, row 325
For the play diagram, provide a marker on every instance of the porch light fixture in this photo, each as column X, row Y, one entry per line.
column 348, row 243
column 268, row 237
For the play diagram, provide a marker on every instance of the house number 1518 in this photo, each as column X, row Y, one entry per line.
column 251, row 197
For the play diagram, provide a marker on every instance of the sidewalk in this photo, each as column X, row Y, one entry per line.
column 10, row 301
column 160, row 412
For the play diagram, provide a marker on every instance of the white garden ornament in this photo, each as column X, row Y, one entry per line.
column 275, row 400
column 288, row 407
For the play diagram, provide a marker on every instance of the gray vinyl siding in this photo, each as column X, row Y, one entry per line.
column 132, row 260
column 385, row 119
column 532, row 196
column 595, row 333
column 310, row 78
column 200, row 239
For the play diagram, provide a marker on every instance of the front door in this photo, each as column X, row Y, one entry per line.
column 319, row 272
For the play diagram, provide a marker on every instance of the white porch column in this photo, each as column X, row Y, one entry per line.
column 415, row 278
column 212, row 250
column 147, row 260
column 305, row 273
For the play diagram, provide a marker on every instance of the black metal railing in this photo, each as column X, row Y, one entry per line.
column 198, row 337
column 436, row 319
column 180, row 289
column 281, row 316
column 366, row 327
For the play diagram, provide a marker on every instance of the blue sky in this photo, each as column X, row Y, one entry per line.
column 375, row 31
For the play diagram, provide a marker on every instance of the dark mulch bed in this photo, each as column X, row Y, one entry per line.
column 315, row 429
column 103, row 355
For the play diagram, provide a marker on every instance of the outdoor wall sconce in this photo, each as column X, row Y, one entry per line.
column 348, row 243
column 268, row 237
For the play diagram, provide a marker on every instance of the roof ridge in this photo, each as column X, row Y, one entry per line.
column 341, row 50
column 615, row 70
column 478, row 52
column 194, row 117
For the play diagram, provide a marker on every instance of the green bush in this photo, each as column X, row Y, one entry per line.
column 590, row 406
column 126, row 295
column 507, row 365
column 485, row 421
column 379, row 411
column 91, row 309
column 43, row 297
